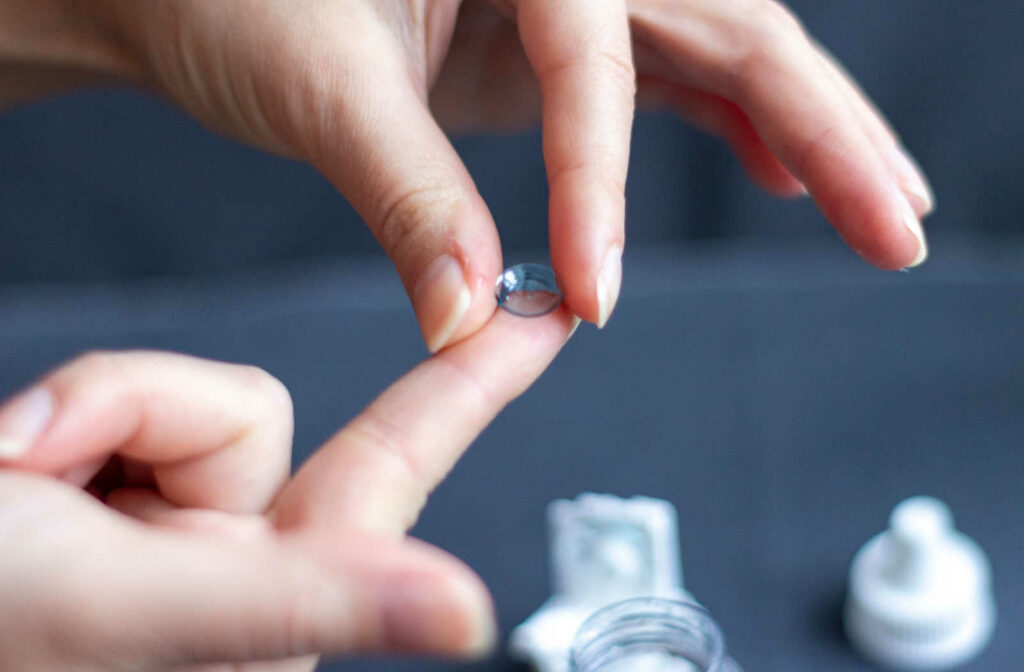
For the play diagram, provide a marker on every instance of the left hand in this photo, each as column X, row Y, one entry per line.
column 199, row 553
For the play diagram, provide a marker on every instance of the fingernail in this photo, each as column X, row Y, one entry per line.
column 441, row 299
column 914, row 224
column 910, row 181
column 22, row 420
column 609, row 281
column 575, row 325
column 423, row 615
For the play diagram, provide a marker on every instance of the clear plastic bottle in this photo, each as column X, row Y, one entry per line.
column 650, row 635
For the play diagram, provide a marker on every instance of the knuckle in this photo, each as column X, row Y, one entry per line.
column 402, row 218
column 609, row 183
column 619, row 68
column 387, row 446
column 385, row 438
column 765, row 37
column 487, row 397
column 826, row 145
column 609, row 63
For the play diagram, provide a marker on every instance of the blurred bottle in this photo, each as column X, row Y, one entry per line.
column 650, row 635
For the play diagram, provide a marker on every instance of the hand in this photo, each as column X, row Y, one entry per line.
column 199, row 552
column 346, row 84
column 743, row 70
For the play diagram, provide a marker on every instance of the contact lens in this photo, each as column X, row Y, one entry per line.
column 529, row 290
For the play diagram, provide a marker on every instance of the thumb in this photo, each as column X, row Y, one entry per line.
column 383, row 149
column 198, row 599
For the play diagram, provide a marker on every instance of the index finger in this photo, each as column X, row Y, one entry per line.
column 215, row 435
column 581, row 53
column 376, row 473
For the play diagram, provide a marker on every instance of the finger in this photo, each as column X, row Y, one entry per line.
column 143, row 598
column 217, row 435
column 303, row 664
column 724, row 119
column 247, row 602
column 658, row 88
column 762, row 60
column 377, row 471
column 580, row 51
column 904, row 169
column 385, row 152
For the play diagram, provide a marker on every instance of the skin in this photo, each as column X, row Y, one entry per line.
column 199, row 553
column 156, row 527
column 365, row 90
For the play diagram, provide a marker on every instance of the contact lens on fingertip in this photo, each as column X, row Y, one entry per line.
column 528, row 290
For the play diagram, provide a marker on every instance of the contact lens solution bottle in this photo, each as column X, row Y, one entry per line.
column 650, row 635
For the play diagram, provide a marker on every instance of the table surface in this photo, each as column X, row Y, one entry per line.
column 783, row 398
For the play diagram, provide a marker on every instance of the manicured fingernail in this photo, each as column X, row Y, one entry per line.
column 910, row 181
column 914, row 224
column 441, row 299
column 22, row 420
column 427, row 616
column 609, row 281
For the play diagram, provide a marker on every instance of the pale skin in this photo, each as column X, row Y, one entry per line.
column 366, row 90
column 200, row 553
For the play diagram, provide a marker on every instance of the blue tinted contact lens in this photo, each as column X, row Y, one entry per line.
column 529, row 290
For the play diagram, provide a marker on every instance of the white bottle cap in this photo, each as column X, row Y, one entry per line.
column 920, row 595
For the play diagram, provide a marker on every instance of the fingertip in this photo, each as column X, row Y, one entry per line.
column 525, row 347
column 441, row 299
column 913, row 225
column 904, row 244
column 523, row 340
column 586, row 250
column 572, row 330
column 592, row 296
column 479, row 632
column 453, row 294
column 894, row 241
column 23, row 420
column 581, row 300
column 438, row 606
column 448, row 307
column 481, row 306
column 609, row 283
column 911, row 180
